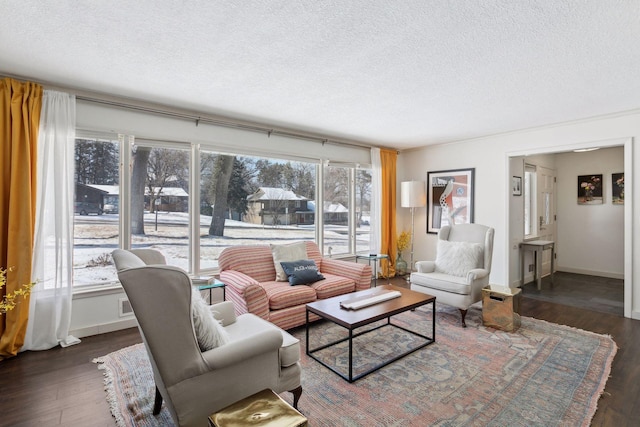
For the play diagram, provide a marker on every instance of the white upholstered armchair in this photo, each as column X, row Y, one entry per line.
column 461, row 268
column 247, row 355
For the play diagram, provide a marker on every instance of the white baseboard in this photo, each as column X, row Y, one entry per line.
column 529, row 277
column 104, row 328
column 609, row 274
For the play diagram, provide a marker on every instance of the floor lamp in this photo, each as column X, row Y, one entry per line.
column 412, row 195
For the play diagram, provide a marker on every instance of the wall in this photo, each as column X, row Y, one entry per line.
column 590, row 237
column 491, row 158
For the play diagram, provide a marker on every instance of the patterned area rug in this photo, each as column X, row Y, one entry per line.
column 544, row 374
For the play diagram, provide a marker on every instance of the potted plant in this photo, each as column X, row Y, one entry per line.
column 402, row 243
column 10, row 300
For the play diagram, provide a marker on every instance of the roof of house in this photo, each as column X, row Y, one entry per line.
column 271, row 193
column 114, row 190
column 329, row 207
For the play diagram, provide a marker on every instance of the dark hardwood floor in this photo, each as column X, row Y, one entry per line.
column 594, row 293
column 62, row 387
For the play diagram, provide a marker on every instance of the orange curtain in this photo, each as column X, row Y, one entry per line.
column 388, row 207
column 20, row 104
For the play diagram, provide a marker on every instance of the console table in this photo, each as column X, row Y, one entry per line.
column 537, row 247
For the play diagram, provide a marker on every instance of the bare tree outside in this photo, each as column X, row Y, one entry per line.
column 336, row 185
column 138, row 182
column 222, row 168
column 166, row 168
column 363, row 192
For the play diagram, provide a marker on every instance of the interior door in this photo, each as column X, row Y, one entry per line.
column 546, row 209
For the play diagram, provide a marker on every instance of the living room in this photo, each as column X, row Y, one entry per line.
column 480, row 141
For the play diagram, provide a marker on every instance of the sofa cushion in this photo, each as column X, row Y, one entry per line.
column 255, row 261
column 301, row 272
column 282, row 295
column 458, row 258
column 248, row 324
column 333, row 286
column 441, row 281
column 290, row 252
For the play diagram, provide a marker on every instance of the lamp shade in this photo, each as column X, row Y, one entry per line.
column 412, row 194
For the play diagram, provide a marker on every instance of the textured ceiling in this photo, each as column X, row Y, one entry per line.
column 393, row 73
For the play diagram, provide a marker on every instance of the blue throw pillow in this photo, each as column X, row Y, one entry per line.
column 302, row 272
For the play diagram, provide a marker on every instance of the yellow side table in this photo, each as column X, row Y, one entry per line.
column 264, row 408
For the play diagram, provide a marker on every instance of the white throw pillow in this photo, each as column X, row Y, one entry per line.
column 290, row 252
column 209, row 331
column 458, row 258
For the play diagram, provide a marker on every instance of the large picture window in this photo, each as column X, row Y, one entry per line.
column 191, row 202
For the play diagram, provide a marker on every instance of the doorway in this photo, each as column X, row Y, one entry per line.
column 590, row 240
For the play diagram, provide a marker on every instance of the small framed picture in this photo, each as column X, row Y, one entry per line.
column 516, row 185
column 617, row 188
column 590, row 189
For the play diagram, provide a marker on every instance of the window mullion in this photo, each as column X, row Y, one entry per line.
column 126, row 146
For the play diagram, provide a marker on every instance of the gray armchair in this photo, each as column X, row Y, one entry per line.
column 461, row 268
column 195, row 383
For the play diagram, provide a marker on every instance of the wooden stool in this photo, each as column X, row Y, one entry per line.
column 264, row 408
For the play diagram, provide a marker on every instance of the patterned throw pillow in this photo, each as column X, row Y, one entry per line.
column 290, row 252
column 209, row 332
column 302, row 272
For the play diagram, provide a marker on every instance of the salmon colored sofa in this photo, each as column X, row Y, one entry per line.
column 250, row 278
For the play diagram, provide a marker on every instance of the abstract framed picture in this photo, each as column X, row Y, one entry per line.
column 449, row 198
column 617, row 188
column 590, row 189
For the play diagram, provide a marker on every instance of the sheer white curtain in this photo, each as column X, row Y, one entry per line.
column 376, row 203
column 50, row 306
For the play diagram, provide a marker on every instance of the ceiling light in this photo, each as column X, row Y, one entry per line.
column 584, row 150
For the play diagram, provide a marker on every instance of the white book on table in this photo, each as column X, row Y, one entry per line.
column 356, row 303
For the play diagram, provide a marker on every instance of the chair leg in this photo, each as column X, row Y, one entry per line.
column 157, row 405
column 297, row 392
column 463, row 313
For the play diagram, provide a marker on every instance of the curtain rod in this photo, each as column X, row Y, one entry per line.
column 220, row 122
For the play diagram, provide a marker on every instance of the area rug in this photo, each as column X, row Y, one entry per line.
column 542, row 375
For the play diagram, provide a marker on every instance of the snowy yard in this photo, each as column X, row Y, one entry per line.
column 96, row 236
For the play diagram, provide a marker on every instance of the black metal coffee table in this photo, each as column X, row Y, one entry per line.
column 330, row 309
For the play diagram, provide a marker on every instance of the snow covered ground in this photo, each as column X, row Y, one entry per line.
column 96, row 236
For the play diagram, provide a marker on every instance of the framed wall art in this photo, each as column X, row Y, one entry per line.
column 516, row 185
column 590, row 189
column 617, row 188
column 449, row 198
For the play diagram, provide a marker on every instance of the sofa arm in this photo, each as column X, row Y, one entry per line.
column 224, row 312
column 359, row 273
column 243, row 349
column 426, row 266
column 246, row 293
